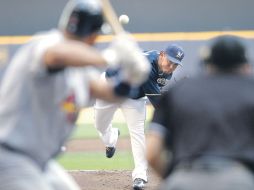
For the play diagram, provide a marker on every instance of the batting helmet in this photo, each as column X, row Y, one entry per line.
column 81, row 17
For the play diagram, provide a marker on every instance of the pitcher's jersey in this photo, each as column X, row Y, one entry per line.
column 156, row 81
column 38, row 109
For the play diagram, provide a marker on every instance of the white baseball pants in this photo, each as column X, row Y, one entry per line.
column 134, row 112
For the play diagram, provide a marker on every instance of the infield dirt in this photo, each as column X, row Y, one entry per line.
column 106, row 180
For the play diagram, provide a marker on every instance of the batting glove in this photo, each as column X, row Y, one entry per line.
column 125, row 53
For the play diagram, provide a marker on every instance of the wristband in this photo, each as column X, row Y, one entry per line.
column 122, row 89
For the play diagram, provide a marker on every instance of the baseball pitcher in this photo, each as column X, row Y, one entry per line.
column 163, row 64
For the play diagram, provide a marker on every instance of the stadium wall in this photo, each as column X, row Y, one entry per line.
column 25, row 17
column 185, row 22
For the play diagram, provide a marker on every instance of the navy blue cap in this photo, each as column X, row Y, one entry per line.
column 175, row 53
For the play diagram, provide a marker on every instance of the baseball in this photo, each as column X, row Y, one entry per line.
column 63, row 148
column 124, row 19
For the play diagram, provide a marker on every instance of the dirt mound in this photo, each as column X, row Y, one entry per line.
column 105, row 180
column 110, row 180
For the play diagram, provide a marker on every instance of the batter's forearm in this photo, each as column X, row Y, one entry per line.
column 74, row 54
column 103, row 90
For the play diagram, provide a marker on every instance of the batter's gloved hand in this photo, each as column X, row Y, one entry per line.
column 125, row 54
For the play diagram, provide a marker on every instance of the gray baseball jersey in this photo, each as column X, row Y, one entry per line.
column 38, row 109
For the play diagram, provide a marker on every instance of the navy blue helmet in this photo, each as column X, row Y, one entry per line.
column 81, row 17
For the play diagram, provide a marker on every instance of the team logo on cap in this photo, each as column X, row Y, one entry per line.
column 179, row 55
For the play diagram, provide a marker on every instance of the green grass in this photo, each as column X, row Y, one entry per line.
column 96, row 161
column 86, row 131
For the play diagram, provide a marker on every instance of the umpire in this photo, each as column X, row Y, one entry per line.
column 206, row 124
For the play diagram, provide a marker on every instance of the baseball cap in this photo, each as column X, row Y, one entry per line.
column 226, row 51
column 175, row 53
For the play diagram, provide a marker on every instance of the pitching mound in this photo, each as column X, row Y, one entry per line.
column 106, row 180
column 110, row 180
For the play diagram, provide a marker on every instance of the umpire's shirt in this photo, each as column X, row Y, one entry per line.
column 208, row 116
column 152, row 87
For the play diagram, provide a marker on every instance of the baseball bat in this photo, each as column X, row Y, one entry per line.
column 111, row 17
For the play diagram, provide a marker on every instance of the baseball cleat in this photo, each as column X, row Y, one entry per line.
column 139, row 184
column 110, row 151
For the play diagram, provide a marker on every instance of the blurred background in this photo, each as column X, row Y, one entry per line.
column 25, row 17
column 154, row 23
column 186, row 22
